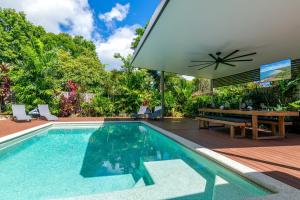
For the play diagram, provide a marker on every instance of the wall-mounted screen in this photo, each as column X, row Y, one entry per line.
column 276, row 71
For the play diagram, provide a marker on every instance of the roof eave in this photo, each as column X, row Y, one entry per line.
column 154, row 19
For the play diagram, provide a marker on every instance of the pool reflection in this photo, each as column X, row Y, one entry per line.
column 122, row 148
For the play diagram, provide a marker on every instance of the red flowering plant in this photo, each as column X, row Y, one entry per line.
column 68, row 103
column 4, row 84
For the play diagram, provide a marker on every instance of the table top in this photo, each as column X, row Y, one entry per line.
column 252, row 112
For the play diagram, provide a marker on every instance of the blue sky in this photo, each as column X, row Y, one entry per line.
column 110, row 24
column 140, row 12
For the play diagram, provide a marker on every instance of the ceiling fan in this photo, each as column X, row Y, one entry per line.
column 226, row 60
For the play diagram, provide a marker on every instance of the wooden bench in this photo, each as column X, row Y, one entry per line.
column 255, row 114
column 274, row 124
column 229, row 121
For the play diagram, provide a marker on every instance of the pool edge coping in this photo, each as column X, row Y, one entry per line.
column 19, row 134
column 279, row 188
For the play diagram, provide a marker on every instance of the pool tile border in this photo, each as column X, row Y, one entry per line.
column 19, row 136
column 281, row 190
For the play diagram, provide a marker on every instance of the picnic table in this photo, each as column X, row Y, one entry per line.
column 254, row 116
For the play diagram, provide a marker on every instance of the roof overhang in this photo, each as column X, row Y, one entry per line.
column 185, row 30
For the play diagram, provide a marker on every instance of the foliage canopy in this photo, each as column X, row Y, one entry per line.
column 42, row 65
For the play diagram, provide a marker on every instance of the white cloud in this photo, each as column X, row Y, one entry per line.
column 118, row 13
column 76, row 15
column 118, row 42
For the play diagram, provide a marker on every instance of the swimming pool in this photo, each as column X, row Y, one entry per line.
column 110, row 160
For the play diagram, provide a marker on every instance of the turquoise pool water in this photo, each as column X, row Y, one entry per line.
column 75, row 160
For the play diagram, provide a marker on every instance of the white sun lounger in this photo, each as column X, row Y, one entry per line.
column 142, row 111
column 44, row 112
column 19, row 113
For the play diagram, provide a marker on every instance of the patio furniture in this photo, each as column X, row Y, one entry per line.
column 232, row 122
column 34, row 113
column 273, row 123
column 19, row 113
column 254, row 119
column 156, row 114
column 142, row 111
column 45, row 113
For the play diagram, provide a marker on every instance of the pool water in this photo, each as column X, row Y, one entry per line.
column 76, row 160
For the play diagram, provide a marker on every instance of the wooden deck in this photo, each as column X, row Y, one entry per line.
column 277, row 158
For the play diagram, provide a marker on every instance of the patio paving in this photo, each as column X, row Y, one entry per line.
column 279, row 159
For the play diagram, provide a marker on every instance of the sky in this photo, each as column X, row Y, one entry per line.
column 110, row 24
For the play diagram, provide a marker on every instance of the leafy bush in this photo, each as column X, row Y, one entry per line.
column 4, row 85
column 193, row 104
column 232, row 95
column 69, row 104
column 42, row 63
column 100, row 106
column 295, row 105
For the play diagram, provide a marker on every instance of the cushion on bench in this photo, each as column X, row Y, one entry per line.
column 274, row 119
column 230, row 119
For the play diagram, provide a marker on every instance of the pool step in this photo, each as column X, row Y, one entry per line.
column 172, row 179
column 225, row 190
column 98, row 184
column 140, row 183
column 111, row 183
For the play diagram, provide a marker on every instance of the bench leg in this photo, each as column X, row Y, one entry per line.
column 232, row 132
column 243, row 131
column 273, row 129
column 206, row 124
column 200, row 124
column 281, row 126
column 203, row 124
column 254, row 127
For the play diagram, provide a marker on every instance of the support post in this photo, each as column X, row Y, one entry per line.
column 162, row 93
column 211, row 86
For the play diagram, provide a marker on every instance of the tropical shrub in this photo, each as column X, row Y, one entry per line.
column 42, row 65
column 102, row 106
column 4, row 85
column 295, row 105
column 192, row 106
column 69, row 104
column 232, row 95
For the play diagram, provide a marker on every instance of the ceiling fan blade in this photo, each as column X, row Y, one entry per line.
column 217, row 65
column 229, row 64
column 211, row 55
column 234, row 52
column 202, row 61
column 200, row 64
column 206, row 66
column 194, row 65
column 244, row 60
column 250, row 54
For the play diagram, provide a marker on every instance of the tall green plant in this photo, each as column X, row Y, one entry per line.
column 4, row 85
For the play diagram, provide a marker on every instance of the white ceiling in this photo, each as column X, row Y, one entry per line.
column 191, row 29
